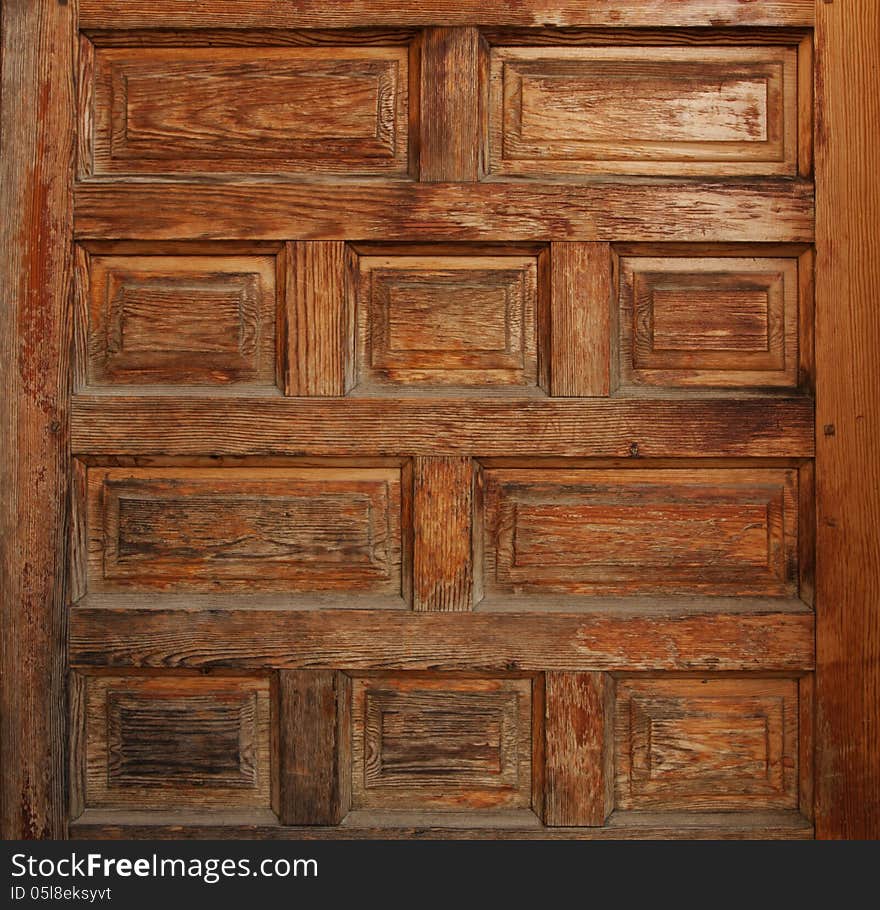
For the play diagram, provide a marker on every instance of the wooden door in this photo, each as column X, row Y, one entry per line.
column 412, row 419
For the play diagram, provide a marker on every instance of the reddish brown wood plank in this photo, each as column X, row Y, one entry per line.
column 580, row 319
column 779, row 427
column 442, row 515
column 314, row 745
column 360, row 13
column 38, row 115
column 319, row 321
column 579, row 776
column 668, row 211
column 453, row 86
column 848, row 451
column 406, row 640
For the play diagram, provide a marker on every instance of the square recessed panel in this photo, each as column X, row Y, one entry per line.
column 701, row 321
column 451, row 322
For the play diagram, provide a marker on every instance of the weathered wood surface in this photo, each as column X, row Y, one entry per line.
column 442, row 516
column 770, row 211
column 314, row 742
column 848, row 421
column 509, row 426
column 36, row 265
column 406, row 640
column 577, row 737
column 360, row 13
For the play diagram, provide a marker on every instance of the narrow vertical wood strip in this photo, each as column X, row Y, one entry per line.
column 85, row 108
column 442, row 516
column 452, row 106
column 805, row 107
column 318, row 325
column 848, row 420
column 580, row 319
column 36, row 171
column 578, row 776
column 806, row 744
column 314, row 754
column 76, row 712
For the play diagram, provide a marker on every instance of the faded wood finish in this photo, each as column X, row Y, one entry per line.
column 36, row 265
column 688, row 110
column 579, row 771
column 430, row 743
column 229, row 110
column 314, row 747
column 452, row 111
column 580, row 319
column 189, row 530
column 761, row 428
column 702, row 322
column 143, row 634
column 452, row 323
column 848, row 421
column 442, row 516
column 747, row 212
column 168, row 742
column 701, row 744
column 636, row 531
column 180, row 320
column 317, row 14
column 320, row 322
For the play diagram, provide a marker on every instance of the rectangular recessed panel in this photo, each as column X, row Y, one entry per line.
column 706, row 744
column 250, row 109
column 205, row 320
column 448, row 322
column 433, row 743
column 702, row 322
column 722, row 532
column 177, row 742
column 248, row 530
column 643, row 110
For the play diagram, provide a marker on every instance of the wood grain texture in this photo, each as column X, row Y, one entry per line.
column 766, row 428
column 447, row 323
column 36, row 265
column 706, row 744
column 150, row 636
column 261, row 529
column 314, row 746
column 442, row 515
column 320, row 329
column 453, row 80
column 360, row 13
column 763, row 211
column 426, row 743
column 579, row 775
column 699, row 322
column 649, row 110
column 229, row 110
column 180, row 320
column 637, row 531
column 580, row 319
column 848, row 408
column 167, row 742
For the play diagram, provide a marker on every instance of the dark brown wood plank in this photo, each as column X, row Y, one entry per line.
column 453, row 85
column 314, row 744
column 442, row 515
column 361, row 13
column 406, row 640
column 579, row 788
column 778, row 427
column 580, row 319
column 38, row 116
column 772, row 211
column 848, row 449
column 623, row 826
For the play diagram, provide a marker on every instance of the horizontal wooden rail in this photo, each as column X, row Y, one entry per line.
column 647, row 210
